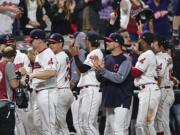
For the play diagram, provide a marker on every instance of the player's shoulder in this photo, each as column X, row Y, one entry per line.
column 148, row 54
column 62, row 55
column 20, row 53
column 96, row 51
column 48, row 52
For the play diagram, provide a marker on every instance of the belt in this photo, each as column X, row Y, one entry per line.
column 44, row 89
column 166, row 87
column 144, row 85
column 63, row 88
column 86, row 86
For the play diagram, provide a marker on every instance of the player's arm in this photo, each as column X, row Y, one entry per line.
column 81, row 67
column 135, row 72
column 11, row 76
column 43, row 75
column 3, row 9
column 151, row 26
column 121, row 75
column 8, row 8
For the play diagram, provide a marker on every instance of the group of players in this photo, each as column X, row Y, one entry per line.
column 101, row 80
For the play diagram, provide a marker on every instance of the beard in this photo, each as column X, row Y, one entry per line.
column 140, row 47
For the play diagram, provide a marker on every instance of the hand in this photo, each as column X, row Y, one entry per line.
column 135, row 48
column 13, row 8
column 22, row 71
column 45, row 18
column 35, row 24
column 72, row 6
column 31, row 76
column 74, row 50
column 86, row 1
column 113, row 18
column 97, row 63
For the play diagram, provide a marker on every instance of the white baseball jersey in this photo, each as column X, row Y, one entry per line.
column 7, row 18
column 161, row 64
column 63, row 70
column 22, row 60
column 147, row 64
column 45, row 60
column 166, row 79
column 89, row 77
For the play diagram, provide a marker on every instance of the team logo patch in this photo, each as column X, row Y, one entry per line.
column 142, row 60
column 116, row 67
column 50, row 62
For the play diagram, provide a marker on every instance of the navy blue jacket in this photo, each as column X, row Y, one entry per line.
column 116, row 81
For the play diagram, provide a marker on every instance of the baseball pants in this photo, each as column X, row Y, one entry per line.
column 89, row 103
column 149, row 99
column 46, row 104
column 162, row 117
column 118, row 120
column 64, row 101
column 75, row 115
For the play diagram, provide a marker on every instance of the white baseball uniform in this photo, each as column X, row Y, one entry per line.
column 64, row 93
column 22, row 124
column 149, row 95
column 7, row 18
column 164, row 69
column 90, row 97
column 45, row 93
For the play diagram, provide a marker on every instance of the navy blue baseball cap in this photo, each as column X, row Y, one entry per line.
column 2, row 39
column 55, row 38
column 115, row 37
column 93, row 36
column 148, row 37
column 37, row 34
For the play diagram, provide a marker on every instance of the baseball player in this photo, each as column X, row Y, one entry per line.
column 79, row 40
column 149, row 94
column 116, row 85
column 90, row 97
column 44, row 82
column 164, row 68
column 8, row 12
column 64, row 93
column 21, row 62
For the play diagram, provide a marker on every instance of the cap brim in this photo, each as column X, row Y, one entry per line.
column 52, row 41
column 108, row 39
column 11, row 41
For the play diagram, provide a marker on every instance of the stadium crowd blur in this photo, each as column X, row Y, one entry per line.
column 66, row 17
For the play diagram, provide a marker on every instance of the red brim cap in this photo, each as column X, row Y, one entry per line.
column 108, row 39
column 51, row 41
column 10, row 41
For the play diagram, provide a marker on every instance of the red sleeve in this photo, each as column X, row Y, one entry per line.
column 136, row 72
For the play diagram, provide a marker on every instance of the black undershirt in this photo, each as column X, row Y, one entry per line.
column 82, row 67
